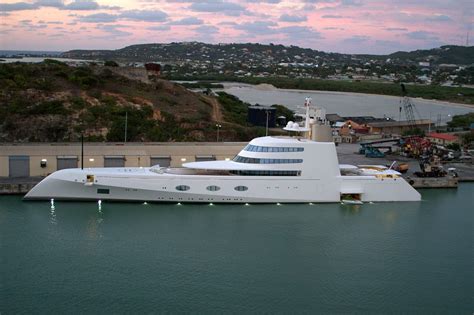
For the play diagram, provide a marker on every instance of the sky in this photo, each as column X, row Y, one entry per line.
column 345, row 26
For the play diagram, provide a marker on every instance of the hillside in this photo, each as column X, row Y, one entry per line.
column 444, row 55
column 51, row 101
column 196, row 51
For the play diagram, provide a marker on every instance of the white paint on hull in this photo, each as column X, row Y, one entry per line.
column 314, row 168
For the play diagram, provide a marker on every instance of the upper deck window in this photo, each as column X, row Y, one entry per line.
column 242, row 159
column 256, row 148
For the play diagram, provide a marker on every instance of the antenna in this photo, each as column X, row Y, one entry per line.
column 467, row 38
column 292, row 126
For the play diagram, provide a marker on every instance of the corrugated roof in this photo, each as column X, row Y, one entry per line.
column 398, row 123
column 443, row 136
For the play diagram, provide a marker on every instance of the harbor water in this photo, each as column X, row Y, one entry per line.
column 347, row 104
column 323, row 258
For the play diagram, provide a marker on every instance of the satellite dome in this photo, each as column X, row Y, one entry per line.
column 295, row 126
column 289, row 124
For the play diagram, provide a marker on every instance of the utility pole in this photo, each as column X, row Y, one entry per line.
column 126, row 122
column 266, row 125
column 82, row 150
column 218, row 127
column 429, row 126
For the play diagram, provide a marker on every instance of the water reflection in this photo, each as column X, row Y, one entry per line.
column 96, row 219
column 350, row 209
column 52, row 216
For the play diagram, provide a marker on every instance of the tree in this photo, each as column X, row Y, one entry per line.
column 111, row 63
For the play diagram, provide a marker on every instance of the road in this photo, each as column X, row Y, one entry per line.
column 348, row 154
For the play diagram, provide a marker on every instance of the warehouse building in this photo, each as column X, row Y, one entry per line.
column 41, row 159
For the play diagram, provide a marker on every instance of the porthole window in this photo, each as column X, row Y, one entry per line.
column 182, row 187
column 241, row 188
column 213, row 188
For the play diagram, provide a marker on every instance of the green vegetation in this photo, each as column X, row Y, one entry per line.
column 53, row 62
column 444, row 54
column 468, row 139
column 461, row 121
column 235, row 110
column 84, row 77
column 414, row 132
column 194, row 51
column 51, row 101
column 202, row 85
column 110, row 63
column 454, row 146
column 283, row 111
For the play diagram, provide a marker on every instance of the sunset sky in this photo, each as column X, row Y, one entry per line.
column 348, row 26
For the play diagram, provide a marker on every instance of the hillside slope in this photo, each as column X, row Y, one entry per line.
column 178, row 52
column 51, row 101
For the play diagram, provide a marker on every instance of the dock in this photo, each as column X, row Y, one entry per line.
column 43, row 159
column 17, row 186
column 433, row 182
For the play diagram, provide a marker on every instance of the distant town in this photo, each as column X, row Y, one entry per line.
column 447, row 65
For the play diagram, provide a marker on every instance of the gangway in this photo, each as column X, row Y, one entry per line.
column 368, row 149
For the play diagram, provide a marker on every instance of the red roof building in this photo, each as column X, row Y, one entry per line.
column 442, row 138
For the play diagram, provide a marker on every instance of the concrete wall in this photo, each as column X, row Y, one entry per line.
column 3, row 166
column 136, row 154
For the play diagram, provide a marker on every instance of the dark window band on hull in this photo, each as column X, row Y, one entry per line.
column 243, row 159
column 241, row 188
column 255, row 148
column 213, row 188
column 182, row 188
column 266, row 173
column 103, row 191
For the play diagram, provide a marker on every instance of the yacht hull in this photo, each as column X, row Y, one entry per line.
column 133, row 184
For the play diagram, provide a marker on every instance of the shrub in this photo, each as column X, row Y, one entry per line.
column 111, row 63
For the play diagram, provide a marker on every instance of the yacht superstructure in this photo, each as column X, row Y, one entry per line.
column 267, row 170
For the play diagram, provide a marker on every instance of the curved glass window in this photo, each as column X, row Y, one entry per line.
column 242, row 159
column 241, row 188
column 256, row 148
column 182, row 187
column 213, row 188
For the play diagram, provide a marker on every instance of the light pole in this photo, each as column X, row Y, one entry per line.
column 429, row 126
column 266, row 125
column 126, row 125
column 218, row 126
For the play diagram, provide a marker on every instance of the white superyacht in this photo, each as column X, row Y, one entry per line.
column 269, row 169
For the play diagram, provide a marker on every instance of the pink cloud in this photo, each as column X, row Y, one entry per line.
column 359, row 26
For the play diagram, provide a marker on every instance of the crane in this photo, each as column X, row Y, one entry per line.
column 408, row 107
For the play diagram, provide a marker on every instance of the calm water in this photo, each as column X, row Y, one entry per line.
column 134, row 258
column 40, row 59
column 346, row 104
